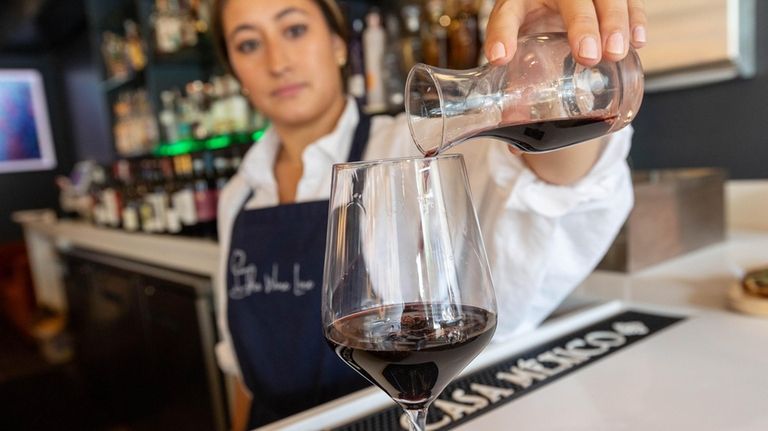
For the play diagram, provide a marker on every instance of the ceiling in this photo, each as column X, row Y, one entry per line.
column 39, row 25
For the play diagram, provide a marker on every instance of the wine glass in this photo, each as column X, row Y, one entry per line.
column 407, row 298
column 541, row 100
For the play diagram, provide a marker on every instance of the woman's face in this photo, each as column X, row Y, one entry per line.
column 285, row 56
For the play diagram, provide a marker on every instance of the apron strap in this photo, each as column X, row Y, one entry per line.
column 360, row 139
column 359, row 144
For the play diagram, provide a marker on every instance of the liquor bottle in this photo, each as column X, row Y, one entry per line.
column 239, row 109
column 183, row 198
column 219, row 110
column 374, row 41
column 151, row 132
column 434, row 34
column 130, row 217
column 205, row 195
column 134, row 47
column 168, row 118
column 138, row 133
column 121, row 130
column 202, row 11
column 394, row 81
column 111, row 198
column 411, row 44
column 95, row 189
column 209, row 98
column 464, row 36
column 135, row 128
column 144, row 186
column 157, row 198
column 188, row 18
column 223, row 167
column 196, row 114
column 185, row 117
column 173, row 223
column 167, row 27
column 113, row 51
column 356, row 80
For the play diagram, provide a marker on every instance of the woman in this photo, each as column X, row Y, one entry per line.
column 550, row 217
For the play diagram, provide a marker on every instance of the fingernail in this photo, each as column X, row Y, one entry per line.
column 639, row 34
column 498, row 51
column 588, row 48
column 615, row 44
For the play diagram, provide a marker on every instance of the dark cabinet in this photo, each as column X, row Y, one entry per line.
column 144, row 339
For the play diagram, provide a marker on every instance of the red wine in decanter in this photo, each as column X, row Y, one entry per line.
column 544, row 136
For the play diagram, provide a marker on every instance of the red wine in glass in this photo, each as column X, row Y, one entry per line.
column 410, row 350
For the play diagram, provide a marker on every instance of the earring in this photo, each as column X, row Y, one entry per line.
column 244, row 91
column 342, row 60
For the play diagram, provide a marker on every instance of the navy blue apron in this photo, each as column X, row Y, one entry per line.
column 274, row 283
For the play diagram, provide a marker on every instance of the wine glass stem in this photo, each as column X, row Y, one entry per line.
column 418, row 419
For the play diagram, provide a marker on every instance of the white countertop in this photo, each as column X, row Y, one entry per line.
column 699, row 279
column 46, row 237
column 192, row 255
column 705, row 373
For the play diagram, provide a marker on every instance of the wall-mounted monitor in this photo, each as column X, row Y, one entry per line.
column 25, row 130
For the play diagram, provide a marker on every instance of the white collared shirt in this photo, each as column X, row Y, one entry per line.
column 542, row 240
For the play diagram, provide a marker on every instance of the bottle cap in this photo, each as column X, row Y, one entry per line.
column 373, row 19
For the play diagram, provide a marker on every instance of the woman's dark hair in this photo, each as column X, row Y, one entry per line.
column 331, row 12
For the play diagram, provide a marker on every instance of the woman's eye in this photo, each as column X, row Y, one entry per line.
column 247, row 46
column 296, row 30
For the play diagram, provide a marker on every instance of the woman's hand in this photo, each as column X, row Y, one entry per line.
column 596, row 29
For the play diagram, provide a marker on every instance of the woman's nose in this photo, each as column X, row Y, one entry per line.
column 278, row 59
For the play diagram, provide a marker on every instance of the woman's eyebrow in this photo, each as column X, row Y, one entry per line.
column 278, row 16
column 289, row 10
column 241, row 27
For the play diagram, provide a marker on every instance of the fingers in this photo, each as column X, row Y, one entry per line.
column 638, row 22
column 613, row 16
column 580, row 21
column 596, row 29
column 503, row 27
column 612, row 24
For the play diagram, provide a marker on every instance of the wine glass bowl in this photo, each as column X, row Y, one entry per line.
column 408, row 298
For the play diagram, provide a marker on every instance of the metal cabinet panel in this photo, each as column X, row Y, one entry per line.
column 144, row 344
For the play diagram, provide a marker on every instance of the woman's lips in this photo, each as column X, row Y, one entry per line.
column 290, row 90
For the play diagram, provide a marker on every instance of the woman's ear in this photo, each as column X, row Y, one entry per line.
column 339, row 50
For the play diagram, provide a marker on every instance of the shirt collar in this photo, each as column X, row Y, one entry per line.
column 258, row 164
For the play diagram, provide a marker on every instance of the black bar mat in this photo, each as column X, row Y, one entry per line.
column 480, row 392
